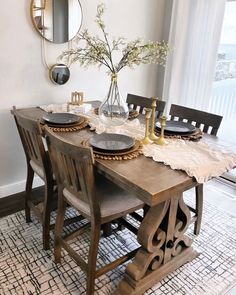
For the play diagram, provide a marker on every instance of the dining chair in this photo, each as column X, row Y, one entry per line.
column 96, row 198
column 140, row 102
column 208, row 123
column 38, row 163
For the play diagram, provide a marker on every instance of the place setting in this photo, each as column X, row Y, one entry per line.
column 132, row 113
column 113, row 146
column 64, row 122
column 179, row 130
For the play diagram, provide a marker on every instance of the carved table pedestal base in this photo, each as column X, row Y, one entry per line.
column 128, row 286
column 164, row 246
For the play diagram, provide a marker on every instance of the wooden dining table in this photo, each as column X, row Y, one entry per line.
column 162, row 233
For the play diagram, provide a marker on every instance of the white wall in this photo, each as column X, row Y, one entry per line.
column 24, row 79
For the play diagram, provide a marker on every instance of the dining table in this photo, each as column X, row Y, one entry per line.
column 164, row 244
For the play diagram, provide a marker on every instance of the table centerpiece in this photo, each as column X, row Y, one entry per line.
column 114, row 54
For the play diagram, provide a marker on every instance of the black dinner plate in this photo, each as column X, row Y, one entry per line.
column 61, row 118
column 112, row 142
column 177, row 127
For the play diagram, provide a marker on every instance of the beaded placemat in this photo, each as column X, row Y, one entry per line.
column 74, row 127
column 195, row 136
column 134, row 152
column 132, row 115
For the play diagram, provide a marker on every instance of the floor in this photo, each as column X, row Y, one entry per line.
column 39, row 269
column 223, row 188
column 228, row 190
column 228, row 205
column 224, row 197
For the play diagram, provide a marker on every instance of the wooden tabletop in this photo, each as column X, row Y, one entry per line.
column 152, row 182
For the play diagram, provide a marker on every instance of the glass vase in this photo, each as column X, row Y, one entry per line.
column 113, row 111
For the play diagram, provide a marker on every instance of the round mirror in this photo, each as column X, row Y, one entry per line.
column 57, row 21
column 59, row 74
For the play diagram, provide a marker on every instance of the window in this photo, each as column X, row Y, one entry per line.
column 223, row 100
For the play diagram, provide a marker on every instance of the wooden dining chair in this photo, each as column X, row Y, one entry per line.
column 38, row 163
column 140, row 102
column 208, row 123
column 96, row 198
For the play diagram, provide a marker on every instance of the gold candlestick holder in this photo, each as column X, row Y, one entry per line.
column 152, row 135
column 161, row 139
column 146, row 139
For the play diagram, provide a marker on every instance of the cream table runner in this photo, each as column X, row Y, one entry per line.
column 198, row 159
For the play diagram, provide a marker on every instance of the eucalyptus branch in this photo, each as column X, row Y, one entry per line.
column 83, row 37
column 100, row 12
column 109, row 50
column 93, row 50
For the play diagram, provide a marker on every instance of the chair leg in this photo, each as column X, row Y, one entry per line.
column 93, row 250
column 120, row 226
column 28, row 192
column 58, row 228
column 199, row 208
column 107, row 229
column 47, row 208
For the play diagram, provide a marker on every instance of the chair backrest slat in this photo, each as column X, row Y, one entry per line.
column 206, row 128
column 145, row 102
column 30, row 134
column 198, row 125
column 73, row 168
column 209, row 122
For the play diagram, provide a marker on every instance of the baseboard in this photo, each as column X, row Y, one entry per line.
column 14, row 203
column 17, row 187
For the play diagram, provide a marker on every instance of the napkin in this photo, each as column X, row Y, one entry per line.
column 55, row 108
column 83, row 109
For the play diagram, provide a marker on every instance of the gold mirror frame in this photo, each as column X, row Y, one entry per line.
column 59, row 74
column 53, row 29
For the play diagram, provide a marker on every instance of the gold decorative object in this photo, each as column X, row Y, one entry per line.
column 152, row 135
column 44, row 19
column 42, row 13
column 77, row 98
column 146, row 139
column 59, row 74
column 161, row 139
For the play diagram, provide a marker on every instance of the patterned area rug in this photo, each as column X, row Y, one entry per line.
column 27, row 269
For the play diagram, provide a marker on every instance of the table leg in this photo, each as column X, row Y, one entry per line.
column 164, row 246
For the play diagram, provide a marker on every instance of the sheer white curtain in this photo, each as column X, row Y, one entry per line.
column 194, row 37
